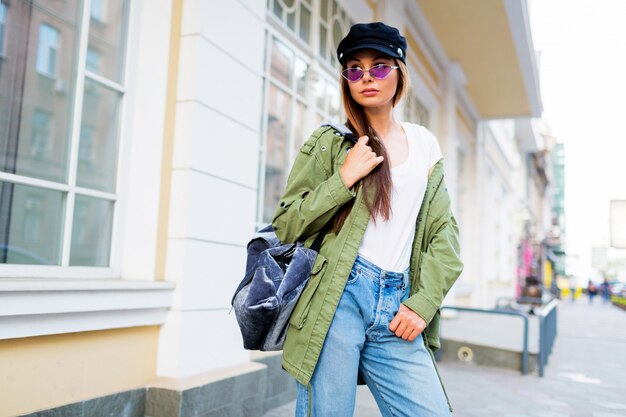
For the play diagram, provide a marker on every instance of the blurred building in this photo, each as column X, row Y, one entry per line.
column 141, row 144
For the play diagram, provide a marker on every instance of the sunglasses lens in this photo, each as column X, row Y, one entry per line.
column 353, row 74
column 380, row 71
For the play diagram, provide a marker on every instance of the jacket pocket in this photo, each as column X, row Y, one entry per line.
column 301, row 311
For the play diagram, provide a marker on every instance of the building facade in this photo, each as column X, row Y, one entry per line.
column 142, row 143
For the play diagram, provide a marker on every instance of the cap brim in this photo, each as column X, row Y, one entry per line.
column 377, row 47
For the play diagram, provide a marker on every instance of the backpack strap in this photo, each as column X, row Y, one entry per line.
column 343, row 131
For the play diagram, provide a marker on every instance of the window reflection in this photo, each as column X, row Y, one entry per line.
column 3, row 14
column 107, row 34
column 91, row 232
column 41, row 135
column 93, row 61
column 97, row 10
column 30, row 225
column 276, row 148
column 47, row 50
column 98, row 138
column 39, row 71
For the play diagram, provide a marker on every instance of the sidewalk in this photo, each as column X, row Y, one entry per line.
column 585, row 376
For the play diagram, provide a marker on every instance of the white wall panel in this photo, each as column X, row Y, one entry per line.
column 206, row 273
column 193, row 342
column 222, row 23
column 209, row 142
column 215, row 79
column 208, row 208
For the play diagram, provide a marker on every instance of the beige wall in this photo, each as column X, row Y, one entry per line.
column 48, row 371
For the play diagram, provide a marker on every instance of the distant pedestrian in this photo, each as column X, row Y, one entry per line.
column 592, row 291
column 605, row 290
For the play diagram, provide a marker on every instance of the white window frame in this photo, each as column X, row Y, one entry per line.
column 43, row 300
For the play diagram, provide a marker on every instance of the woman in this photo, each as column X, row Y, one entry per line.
column 370, row 311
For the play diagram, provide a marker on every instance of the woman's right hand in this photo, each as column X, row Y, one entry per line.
column 361, row 160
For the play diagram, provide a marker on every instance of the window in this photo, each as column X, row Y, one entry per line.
column 3, row 19
column 97, row 10
column 41, row 134
column 298, row 98
column 47, row 50
column 93, row 61
column 414, row 110
column 59, row 143
column 297, row 16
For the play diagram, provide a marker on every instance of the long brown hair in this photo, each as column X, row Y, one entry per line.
column 377, row 184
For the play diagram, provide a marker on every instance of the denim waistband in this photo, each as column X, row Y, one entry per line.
column 374, row 271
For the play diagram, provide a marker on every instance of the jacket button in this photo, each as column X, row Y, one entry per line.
column 323, row 148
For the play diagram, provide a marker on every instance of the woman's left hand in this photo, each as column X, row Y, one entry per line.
column 407, row 324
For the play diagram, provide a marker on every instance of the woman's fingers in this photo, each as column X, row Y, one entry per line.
column 402, row 327
column 413, row 335
column 407, row 324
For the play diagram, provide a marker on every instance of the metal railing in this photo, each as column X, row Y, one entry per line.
column 547, row 314
column 547, row 332
column 524, row 317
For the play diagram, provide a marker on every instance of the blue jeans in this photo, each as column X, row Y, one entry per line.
column 400, row 374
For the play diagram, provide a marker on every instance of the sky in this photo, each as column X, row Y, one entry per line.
column 582, row 70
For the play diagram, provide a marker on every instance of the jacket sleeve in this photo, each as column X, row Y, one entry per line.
column 441, row 263
column 312, row 197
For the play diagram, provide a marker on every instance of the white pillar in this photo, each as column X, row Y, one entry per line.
column 214, row 182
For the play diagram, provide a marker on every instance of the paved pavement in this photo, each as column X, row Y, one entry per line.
column 585, row 376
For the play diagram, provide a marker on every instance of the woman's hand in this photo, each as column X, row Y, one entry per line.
column 407, row 324
column 361, row 160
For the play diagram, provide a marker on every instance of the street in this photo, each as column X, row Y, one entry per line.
column 584, row 376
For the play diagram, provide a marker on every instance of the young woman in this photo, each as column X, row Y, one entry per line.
column 370, row 311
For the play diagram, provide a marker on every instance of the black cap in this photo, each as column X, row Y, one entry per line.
column 377, row 36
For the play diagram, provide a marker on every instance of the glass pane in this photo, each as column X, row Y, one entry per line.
column 299, row 137
column 282, row 59
column 3, row 19
column 334, row 97
column 337, row 34
column 31, row 225
column 324, row 10
column 99, row 134
column 301, row 73
column 305, row 24
column 91, row 232
column 320, row 94
column 323, row 48
column 37, row 88
column 291, row 20
column 278, row 9
column 278, row 116
column 107, row 38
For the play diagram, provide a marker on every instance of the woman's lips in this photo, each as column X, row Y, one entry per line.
column 369, row 92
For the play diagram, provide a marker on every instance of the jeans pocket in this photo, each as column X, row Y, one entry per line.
column 355, row 273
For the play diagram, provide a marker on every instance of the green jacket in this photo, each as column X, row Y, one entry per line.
column 314, row 193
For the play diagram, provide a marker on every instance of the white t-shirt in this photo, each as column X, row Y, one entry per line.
column 388, row 244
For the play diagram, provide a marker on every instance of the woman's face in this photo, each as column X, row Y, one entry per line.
column 372, row 92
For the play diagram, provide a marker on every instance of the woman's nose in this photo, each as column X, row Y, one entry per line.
column 367, row 77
